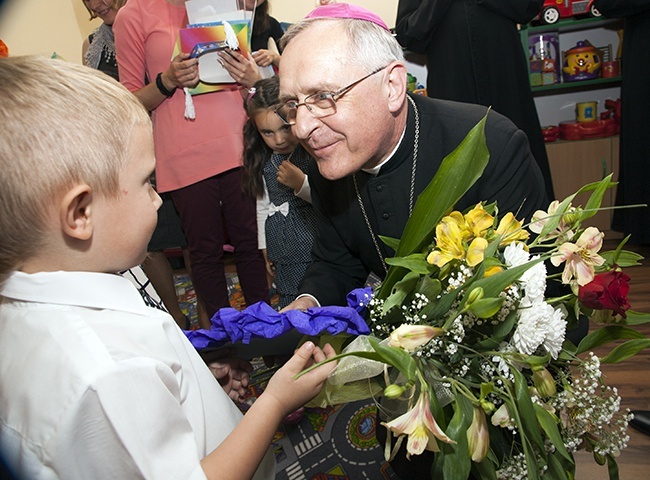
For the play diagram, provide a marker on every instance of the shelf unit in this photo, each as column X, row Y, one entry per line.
column 578, row 162
column 567, row 26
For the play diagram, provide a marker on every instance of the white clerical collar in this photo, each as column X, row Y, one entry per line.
column 375, row 170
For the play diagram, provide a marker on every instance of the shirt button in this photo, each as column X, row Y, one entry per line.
column 385, row 216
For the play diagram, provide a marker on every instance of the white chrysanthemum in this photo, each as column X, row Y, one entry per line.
column 555, row 332
column 515, row 255
column 533, row 280
column 532, row 327
column 534, row 283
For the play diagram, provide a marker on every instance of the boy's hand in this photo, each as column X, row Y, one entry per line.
column 291, row 393
column 290, row 175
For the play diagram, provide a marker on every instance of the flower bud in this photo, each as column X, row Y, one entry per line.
column 393, row 391
column 410, row 337
column 501, row 418
column 478, row 438
column 474, row 295
column 544, row 382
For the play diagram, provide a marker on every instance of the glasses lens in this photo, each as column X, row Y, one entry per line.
column 321, row 104
column 287, row 112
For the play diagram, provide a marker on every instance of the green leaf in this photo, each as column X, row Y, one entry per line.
column 556, row 470
column 457, row 173
column 400, row 291
column 626, row 350
column 484, row 470
column 486, row 307
column 596, row 198
column 612, row 468
column 396, row 357
column 390, row 241
column 623, row 258
column 429, row 287
column 605, row 335
column 549, row 423
column 456, row 461
column 494, row 284
column 635, row 318
column 524, row 405
column 416, row 263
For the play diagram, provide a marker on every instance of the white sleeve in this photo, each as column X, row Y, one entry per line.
column 262, row 214
column 305, row 190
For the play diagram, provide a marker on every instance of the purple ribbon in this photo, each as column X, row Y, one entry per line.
column 262, row 321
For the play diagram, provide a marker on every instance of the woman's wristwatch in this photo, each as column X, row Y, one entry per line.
column 161, row 86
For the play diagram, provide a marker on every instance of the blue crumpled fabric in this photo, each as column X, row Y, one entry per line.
column 261, row 320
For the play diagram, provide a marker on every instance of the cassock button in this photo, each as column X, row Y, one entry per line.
column 380, row 188
column 385, row 216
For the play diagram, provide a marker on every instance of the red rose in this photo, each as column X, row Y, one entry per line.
column 607, row 291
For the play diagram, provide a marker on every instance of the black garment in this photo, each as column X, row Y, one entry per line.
column 344, row 253
column 474, row 55
column 634, row 162
column 260, row 40
column 107, row 61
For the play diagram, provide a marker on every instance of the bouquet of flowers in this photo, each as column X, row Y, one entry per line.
column 468, row 353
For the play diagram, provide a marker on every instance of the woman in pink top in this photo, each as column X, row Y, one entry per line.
column 199, row 161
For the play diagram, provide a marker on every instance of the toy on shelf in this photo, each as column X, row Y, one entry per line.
column 581, row 62
column 554, row 10
column 544, row 59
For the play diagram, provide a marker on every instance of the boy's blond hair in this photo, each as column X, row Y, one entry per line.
column 61, row 124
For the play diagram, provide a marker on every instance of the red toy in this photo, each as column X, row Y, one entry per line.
column 553, row 10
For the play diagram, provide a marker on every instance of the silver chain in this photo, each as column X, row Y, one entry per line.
column 411, row 193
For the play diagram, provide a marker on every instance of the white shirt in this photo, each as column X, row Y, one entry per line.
column 94, row 384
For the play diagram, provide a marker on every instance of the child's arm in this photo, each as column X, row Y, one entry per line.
column 305, row 190
column 291, row 176
column 256, row 430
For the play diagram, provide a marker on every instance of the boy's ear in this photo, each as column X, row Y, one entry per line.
column 76, row 212
column 396, row 86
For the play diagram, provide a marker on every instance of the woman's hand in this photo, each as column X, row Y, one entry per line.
column 183, row 72
column 242, row 69
column 264, row 58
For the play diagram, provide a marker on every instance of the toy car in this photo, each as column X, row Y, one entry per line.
column 553, row 10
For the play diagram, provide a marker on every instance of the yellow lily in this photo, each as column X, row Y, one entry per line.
column 449, row 243
column 510, row 230
column 420, row 426
column 478, row 220
column 450, row 235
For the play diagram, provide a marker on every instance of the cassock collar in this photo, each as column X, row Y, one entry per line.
column 404, row 150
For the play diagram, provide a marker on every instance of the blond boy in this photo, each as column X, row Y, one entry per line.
column 94, row 384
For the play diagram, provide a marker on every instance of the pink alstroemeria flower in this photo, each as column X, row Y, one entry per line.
column 580, row 257
column 420, row 426
column 410, row 337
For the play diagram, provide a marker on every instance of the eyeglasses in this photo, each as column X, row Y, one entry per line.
column 320, row 104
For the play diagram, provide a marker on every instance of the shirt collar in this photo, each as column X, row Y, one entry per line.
column 82, row 289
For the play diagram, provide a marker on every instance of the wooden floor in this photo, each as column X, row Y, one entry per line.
column 632, row 378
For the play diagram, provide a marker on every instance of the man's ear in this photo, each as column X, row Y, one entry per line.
column 76, row 209
column 396, row 86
